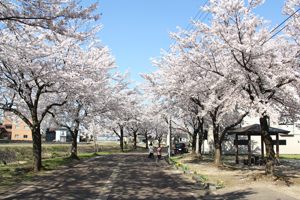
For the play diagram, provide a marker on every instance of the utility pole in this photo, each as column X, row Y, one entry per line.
column 170, row 139
column 198, row 150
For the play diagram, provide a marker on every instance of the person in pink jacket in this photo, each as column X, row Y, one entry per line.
column 158, row 152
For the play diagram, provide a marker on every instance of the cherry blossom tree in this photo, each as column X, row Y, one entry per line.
column 125, row 111
column 29, row 76
column 145, row 130
column 160, row 128
column 133, row 130
column 154, row 125
column 259, row 65
column 234, row 66
column 293, row 27
column 192, row 124
column 190, row 82
column 36, row 37
column 55, row 15
column 244, row 68
column 89, row 90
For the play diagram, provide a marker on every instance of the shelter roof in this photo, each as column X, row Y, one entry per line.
column 255, row 129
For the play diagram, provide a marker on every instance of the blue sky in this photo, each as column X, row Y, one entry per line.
column 137, row 30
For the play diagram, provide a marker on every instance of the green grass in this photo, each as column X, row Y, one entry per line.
column 12, row 174
column 23, row 152
column 176, row 158
column 54, row 163
column 176, row 161
column 290, row 156
column 54, row 155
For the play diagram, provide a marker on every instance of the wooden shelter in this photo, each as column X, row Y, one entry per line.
column 255, row 130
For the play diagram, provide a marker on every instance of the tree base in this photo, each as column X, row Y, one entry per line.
column 74, row 157
column 196, row 156
column 269, row 170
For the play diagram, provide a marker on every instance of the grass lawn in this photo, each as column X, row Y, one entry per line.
column 12, row 174
column 290, row 156
column 54, row 156
column 23, row 151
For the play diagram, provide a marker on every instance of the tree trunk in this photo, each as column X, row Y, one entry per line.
column 217, row 143
column 200, row 143
column 122, row 138
column 96, row 147
column 37, row 148
column 194, row 142
column 201, row 136
column 74, row 148
column 74, row 144
column 134, row 139
column 146, row 140
column 270, row 153
column 218, row 149
column 218, row 154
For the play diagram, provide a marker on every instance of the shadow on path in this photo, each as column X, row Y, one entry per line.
column 143, row 178
column 229, row 196
column 82, row 181
column 136, row 177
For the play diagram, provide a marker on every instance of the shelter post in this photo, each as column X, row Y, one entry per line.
column 277, row 145
column 236, row 149
column 262, row 147
column 249, row 149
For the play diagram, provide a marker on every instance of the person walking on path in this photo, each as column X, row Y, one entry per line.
column 158, row 152
column 151, row 151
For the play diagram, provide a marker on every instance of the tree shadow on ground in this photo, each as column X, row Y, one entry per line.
column 203, row 159
column 228, row 196
column 148, row 180
column 81, row 181
column 138, row 178
column 285, row 174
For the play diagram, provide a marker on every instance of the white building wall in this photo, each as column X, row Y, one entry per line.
column 61, row 135
column 57, row 135
column 292, row 140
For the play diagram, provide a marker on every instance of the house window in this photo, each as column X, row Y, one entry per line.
column 9, row 126
column 17, row 136
column 25, row 136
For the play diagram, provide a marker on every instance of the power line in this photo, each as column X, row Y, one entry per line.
column 198, row 17
column 284, row 21
column 189, row 24
column 274, row 34
column 289, row 17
